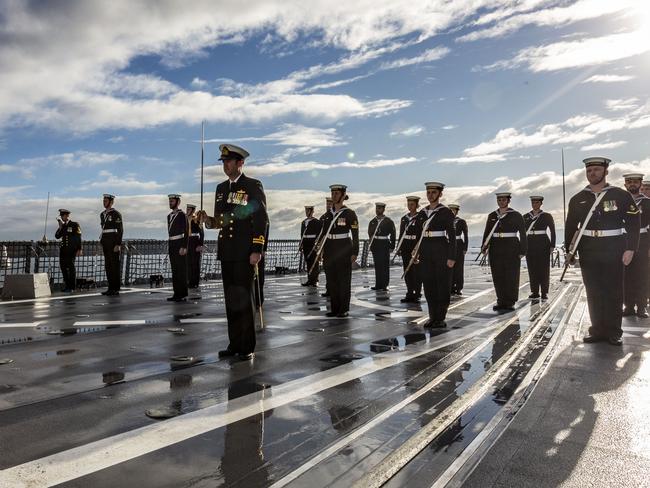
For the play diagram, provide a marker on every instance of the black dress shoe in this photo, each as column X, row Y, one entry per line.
column 591, row 339
column 628, row 311
column 533, row 295
column 325, row 294
column 406, row 300
column 171, row 299
column 107, row 292
column 331, row 314
column 374, row 288
column 496, row 307
column 342, row 315
column 113, row 293
column 615, row 341
column 245, row 356
column 544, row 296
column 226, row 353
column 642, row 313
column 180, row 299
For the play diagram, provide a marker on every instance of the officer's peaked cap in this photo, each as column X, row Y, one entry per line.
column 64, row 211
column 596, row 161
column 230, row 151
column 434, row 185
column 338, row 187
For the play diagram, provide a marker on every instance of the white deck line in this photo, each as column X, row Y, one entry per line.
column 86, row 459
column 25, row 325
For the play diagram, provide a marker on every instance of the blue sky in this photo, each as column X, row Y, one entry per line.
column 383, row 96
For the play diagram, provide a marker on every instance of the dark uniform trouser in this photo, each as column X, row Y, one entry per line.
column 338, row 273
column 381, row 259
column 310, row 257
column 193, row 268
column 237, row 278
column 112, row 266
column 436, row 278
column 66, row 262
column 458, row 274
column 538, row 261
column 178, row 264
column 636, row 277
column 413, row 278
column 504, row 266
column 602, row 273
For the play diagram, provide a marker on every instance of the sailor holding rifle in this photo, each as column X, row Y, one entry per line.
column 539, row 225
column 408, row 236
column 381, row 231
column 462, row 241
column 603, row 228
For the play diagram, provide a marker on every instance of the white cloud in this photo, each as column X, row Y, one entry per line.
column 591, row 51
column 77, row 159
column 116, row 139
column 449, row 127
column 414, row 130
column 622, row 104
column 546, row 16
column 427, row 56
column 215, row 173
column 108, row 182
column 604, row 145
column 580, row 128
column 608, row 78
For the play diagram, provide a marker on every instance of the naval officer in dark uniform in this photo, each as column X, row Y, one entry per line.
column 608, row 243
column 408, row 237
column 462, row 241
column 111, row 241
column 636, row 274
column 505, row 241
column 437, row 253
column 70, row 234
column 381, row 231
column 310, row 230
column 341, row 248
column 539, row 225
column 194, row 247
column 240, row 214
column 177, row 244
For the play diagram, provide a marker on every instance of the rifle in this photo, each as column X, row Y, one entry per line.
column 415, row 255
column 47, row 211
column 573, row 247
column 489, row 237
column 259, row 297
column 570, row 257
column 372, row 239
column 321, row 244
column 401, row 239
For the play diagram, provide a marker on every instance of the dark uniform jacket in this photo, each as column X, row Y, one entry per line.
column 310, row 229
column 197, row 235
column 409, row 225
column 511, row 222
column 616, row 210
column 112, row 228
column 539, row 223
column 461, row 231
column 386, row 229
column 177, row 229
column 240, row 213
column 442, row 219
column 643, row 204
column 346, row 222
column 70, row 235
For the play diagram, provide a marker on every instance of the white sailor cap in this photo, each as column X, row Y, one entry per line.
column 454, row 206
column 633, row 176
column 109, row 196
column 536, row 198
column 230, row 151
column 63, row 211
column 338, row 187
column 434, row 185
column 596, row 161
column 412, row 198
column 190, row 205
column 174, row 195
column 380, row 204
column 506, row 194
column 645, row 182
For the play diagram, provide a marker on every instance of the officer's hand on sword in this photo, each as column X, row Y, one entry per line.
column 627, row 257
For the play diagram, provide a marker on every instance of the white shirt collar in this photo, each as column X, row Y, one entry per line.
column 236, row 179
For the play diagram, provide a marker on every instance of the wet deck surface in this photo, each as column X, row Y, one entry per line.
column 374, row 398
